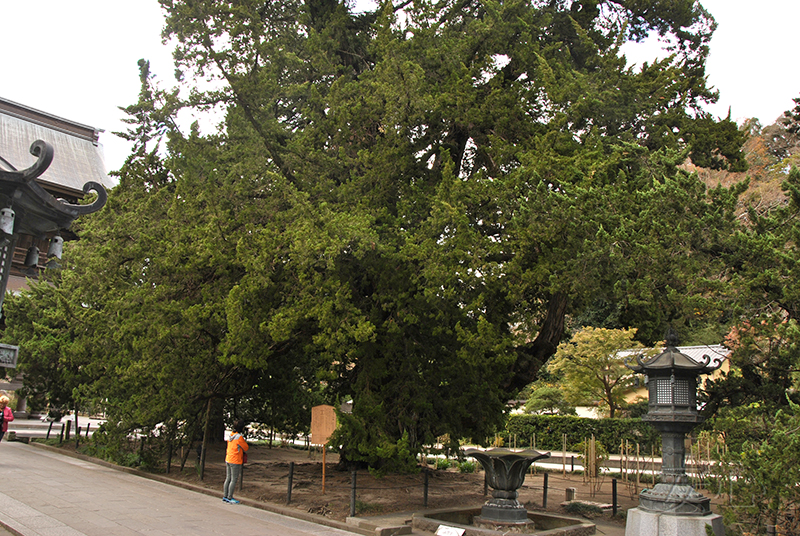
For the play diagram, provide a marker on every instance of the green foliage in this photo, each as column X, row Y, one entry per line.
column 765, row 360
column 443, row 464
column 466, row 467
column 549, row 430
column 761, row 465
column 392, row 212
column 766, row 262
column 372, row 448
column 547, row 399
column 112, row 444
column 596, row 460
column 590, row 368
column 52, row 332
column 638, row 409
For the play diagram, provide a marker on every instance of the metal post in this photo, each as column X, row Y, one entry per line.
column 353, row 494
column 289, row 487
column 614, row 497
column 425, row 489
column 49, row 429
column 544, row 493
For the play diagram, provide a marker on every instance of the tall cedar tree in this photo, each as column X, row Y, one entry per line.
column 405, row 203
column 446, row 181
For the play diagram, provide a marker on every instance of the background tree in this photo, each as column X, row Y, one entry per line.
column 53, row 360
column 759, row 464
column 546, row 398
column 765, row 262
column 591, row 367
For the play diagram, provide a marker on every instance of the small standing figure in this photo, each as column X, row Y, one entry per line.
column 6, row 415
column 234, row 459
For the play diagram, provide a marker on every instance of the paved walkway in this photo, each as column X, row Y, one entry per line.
column 43, row 493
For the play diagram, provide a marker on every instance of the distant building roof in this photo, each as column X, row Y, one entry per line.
column 696, row 353
column 78, row 156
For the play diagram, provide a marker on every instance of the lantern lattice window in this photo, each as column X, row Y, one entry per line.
column 663, row 392
column 682, row 394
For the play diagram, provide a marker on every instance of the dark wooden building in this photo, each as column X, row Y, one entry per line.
column 78, row 159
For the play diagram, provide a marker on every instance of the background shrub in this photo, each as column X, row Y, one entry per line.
column 549, row 430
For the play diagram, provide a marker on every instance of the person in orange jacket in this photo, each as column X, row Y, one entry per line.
column 6, row 415
column 234, row 460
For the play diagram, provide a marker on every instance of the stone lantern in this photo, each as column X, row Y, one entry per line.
column 671, row 378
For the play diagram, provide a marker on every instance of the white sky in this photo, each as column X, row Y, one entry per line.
column 77, row 59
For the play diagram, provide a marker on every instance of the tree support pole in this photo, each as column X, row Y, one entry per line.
column 206, row 433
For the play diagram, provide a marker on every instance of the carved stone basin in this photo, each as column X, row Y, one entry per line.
column 505, row 473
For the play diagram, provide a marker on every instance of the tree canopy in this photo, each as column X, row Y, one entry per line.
column 591, row 367
column 403, row 205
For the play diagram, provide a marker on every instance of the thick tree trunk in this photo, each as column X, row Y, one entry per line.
column 533, row 355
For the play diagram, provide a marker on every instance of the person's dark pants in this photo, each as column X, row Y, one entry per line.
column 232, row 473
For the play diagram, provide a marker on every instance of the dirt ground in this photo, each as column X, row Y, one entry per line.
column 266, row 477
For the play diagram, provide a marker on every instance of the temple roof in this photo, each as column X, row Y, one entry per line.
column 78, row 156
column 673, row 358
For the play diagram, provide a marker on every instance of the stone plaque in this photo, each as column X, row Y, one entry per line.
column 8, row 355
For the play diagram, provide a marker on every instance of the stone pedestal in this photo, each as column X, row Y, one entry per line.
column 505, row 511
column 526, row 527
column 643, row 523
column 674, row 499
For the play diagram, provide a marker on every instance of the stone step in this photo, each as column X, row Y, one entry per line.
column 380, row 526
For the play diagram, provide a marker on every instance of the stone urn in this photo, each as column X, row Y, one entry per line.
column 505, row 473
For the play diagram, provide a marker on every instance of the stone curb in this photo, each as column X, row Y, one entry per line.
column 269, row 507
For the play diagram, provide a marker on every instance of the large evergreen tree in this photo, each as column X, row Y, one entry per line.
column 405, row 203
column 447, row 180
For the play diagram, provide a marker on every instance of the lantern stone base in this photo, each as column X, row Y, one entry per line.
column 643, row 523
column 674, row 499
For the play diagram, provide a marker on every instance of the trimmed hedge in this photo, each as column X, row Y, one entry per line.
column 549, row 430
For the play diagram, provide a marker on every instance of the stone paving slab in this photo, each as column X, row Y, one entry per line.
column 48, row 494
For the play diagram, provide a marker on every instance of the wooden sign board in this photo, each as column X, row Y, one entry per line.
column 323, row 423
